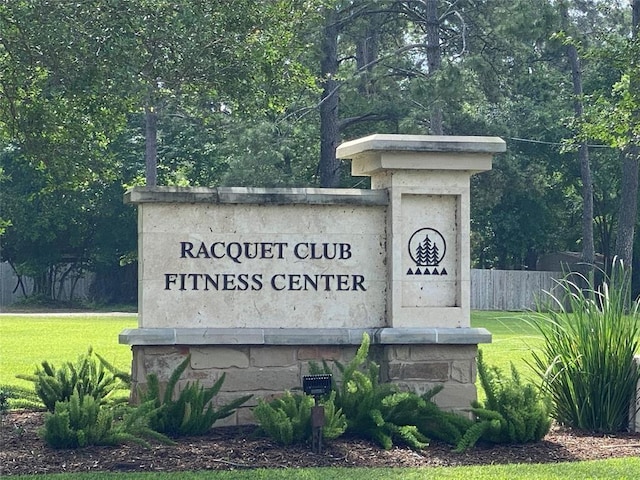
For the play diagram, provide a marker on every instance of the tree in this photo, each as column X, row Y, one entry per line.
column 72, row 77
column 329, row 166
column 631, row 152
column 588, row 249
column 55, row 129
column 613, row 117
column 195, row 58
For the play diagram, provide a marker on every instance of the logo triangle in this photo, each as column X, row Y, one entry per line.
column 443, row 272
column 409, row 272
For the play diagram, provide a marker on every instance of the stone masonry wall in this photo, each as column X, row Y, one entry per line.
column 421, row 367
column 268, row 371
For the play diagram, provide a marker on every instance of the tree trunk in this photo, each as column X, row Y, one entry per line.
column 434, row 60
column 588, row 249
column 151, row 146
column 629, row 197
column 367, row 46
column 329, row 131
column 628, row 208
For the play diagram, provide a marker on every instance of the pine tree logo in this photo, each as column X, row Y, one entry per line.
column 427, row 248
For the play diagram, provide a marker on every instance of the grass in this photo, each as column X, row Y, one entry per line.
column 619, row 469
column 588, row 350
column 25, row 341
column 514, row 338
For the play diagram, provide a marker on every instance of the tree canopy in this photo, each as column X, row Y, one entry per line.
column 99, row 95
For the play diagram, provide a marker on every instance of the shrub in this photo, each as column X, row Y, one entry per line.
column 408, row 408
column 513, row 412
column 90, row 375
column 288, row 419
column 83, row 421
column 378, row 411
column 587, row 359
column 12, row 397
column 192, row 413
column 4, row 400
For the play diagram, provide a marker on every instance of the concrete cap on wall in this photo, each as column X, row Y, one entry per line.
column 421, row 143
column 380, row 152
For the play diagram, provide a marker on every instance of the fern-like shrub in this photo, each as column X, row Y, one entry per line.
column 83, row 421
column 16, row 397
column 4, row 400
column 192, row 413
column 288, row 419
column 587, row 357
column 410, row 409
column 90, row 375
column 514, row 411
column 379, row 412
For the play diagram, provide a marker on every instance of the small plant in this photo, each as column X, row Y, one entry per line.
column 13, row 397
column 4, row 400
column 192, row 412
column 89, row 376
column 410, row 409
column 378, row 411
column 83, row 421
column 335, row 422
column 514, row 412
column 360, row 395
column 587, row 358
column 288, row 419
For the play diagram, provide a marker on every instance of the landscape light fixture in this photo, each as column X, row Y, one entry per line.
column 317, row 385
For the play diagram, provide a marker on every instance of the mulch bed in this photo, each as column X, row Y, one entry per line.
column 231, row 448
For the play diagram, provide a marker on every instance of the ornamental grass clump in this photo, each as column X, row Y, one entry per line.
column 587, row 358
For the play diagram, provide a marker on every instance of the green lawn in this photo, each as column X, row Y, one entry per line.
column 25, row 341
column 619, row 469
column 514, row 337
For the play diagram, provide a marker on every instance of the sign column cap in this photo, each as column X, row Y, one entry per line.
column 421, row 143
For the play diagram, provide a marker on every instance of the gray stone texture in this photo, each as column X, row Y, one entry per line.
column 264, row 336
column 265, row 371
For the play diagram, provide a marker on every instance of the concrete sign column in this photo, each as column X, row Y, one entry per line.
column 428, row 259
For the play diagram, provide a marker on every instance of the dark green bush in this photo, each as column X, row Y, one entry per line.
column 408, row 408
column 587, row 358
column 288, row 419
column 514, row 411
column 378, row 411
column 192, row 413
column 4, row 400
column 83, row 421
column 90, row 375
column 13, row 397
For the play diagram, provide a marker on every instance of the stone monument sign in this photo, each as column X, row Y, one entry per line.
column 259, row 282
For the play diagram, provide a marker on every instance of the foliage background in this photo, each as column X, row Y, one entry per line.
column 97, row 96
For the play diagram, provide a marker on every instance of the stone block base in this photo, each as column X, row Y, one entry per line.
column 267, row 370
